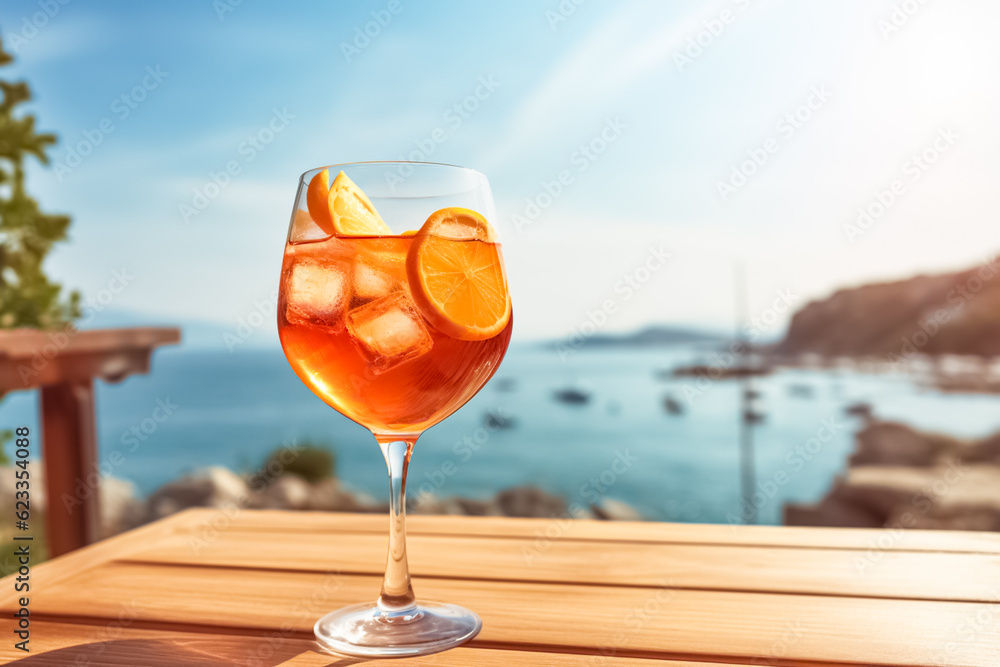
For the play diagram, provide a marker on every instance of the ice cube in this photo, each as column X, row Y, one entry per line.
column 390, row 331
column 316, row 293
column 371, row 281
column 379, row 268
column 304, row 228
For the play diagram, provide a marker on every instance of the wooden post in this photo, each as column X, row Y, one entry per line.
column 69, row 439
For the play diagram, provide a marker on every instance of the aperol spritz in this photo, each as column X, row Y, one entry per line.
column 396, row 331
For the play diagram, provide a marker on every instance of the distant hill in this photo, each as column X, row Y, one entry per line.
column 654, row 336
column 953, row 313
column 195, row 334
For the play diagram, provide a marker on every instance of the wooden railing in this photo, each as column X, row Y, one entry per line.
column 63, row 365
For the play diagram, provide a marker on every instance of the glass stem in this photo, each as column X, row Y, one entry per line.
column 397, row 591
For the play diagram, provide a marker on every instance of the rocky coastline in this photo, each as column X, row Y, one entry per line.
column 896, row 476
column 904, row 478
column 123, row 508
column 952, row 313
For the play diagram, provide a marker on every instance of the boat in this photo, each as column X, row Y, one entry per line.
column 493, row 421
column 504, row 384
column 800, row 390
column 722, row 373
column 672, row 406
column 572, row 396
column 861, row 409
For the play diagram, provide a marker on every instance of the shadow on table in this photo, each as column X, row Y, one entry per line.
column 184, row 650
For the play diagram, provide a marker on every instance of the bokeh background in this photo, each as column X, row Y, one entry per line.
column 774, row 151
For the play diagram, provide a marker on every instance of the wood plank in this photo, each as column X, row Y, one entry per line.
column 71, row 564
column 58, row 644
column 891, row 574
column 634, row 622
column 119, row 643
column 208, row 522
column 972, row 640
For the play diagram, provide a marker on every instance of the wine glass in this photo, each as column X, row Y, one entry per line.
column 396, row 330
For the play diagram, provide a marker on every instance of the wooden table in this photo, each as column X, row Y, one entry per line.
column 211, row 587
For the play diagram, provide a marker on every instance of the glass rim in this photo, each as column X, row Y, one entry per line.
column 476, row 172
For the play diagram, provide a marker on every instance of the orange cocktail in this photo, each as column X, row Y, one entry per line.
column 395, row 331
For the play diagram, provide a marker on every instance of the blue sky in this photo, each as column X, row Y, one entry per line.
column 677, row 118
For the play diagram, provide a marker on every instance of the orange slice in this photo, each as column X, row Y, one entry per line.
column 342, row 208
column 459, row 224
column 456, row 275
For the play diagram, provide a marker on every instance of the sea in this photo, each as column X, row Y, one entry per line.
column 200, row 408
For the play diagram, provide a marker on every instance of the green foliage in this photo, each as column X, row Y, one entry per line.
column 39, row 543
column 27, row 297
column 6, row 436
column 310, row 461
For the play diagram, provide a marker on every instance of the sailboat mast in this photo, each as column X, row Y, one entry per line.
column 747, row 472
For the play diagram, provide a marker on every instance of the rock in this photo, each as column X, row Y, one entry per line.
column 924, row 490
column 889, row 443
column 611, row 509
column 877, row 489
column 830, row 512
column 454, row 506
column 899, row 476
column 209, row 487
column 966, row 518
column 329, row 495
column 288, row 492
column 882, row 320
column 121, row 509
column 219, row 487
column 529, row 501
column 984, row 451
column 470, row 507
column 954, row 496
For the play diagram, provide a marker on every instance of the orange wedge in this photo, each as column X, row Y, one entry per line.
column 317, row 197
column 352, row 212
column 342, row 208
column 456, row 275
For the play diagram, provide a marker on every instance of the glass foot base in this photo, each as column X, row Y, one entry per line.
column 367, row 631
